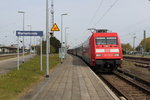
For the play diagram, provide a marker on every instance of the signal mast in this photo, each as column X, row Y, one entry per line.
column 52, row 16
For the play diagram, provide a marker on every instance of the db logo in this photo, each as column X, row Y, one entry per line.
column 107, row 50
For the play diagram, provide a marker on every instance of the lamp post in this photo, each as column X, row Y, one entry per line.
column 6, row 38
column 66, row 37
column 144, row 47
column 134, row 37
column 22, row 12
column 30, row 26
column 62, row 34
column 47, row 39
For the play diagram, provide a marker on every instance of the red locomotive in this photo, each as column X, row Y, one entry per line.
column 102, row 51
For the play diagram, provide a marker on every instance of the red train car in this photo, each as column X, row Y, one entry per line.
column 102, row 51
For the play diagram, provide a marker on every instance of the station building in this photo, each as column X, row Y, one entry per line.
column 8, row 49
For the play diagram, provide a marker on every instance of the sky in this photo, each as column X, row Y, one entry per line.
column 128, row 18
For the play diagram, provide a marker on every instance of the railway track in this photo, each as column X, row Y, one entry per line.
column 127, row 86
column 145, row 62
column 136, row 58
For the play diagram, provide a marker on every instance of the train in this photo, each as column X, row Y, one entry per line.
column 102, row 51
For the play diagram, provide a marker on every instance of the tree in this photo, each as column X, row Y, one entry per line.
column 147, row 44
column 55, row 43
column 126, row 47
column 54, row 46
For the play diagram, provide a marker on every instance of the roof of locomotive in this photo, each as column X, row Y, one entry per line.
column 105, row 34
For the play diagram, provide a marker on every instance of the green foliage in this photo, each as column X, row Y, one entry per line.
column 55, row 43
column 147, row 44
column 127, row 47
column 54, row 46
column 128, row 63
column 15, row 82
column 52, row 49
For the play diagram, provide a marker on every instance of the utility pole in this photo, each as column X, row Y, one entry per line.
column 18, row 53
column 23, row 36
column 51, row 33
column 47, row 39
column 134, row 42
column 144, row 41
column 62, row 36
column 134, row 37
column 52, row 16
column 30, row 37
column 144, row 47
column 66, row 38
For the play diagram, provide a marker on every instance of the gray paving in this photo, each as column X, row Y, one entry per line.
column 72, row 80
column 9, row 64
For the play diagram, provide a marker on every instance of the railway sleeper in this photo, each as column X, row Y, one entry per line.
column 131, row 81
column 142, row 65
column 146, row 83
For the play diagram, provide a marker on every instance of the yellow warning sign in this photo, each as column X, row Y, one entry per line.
column 55, row 28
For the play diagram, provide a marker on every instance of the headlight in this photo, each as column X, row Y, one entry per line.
column 98, row 55
column 116, row 55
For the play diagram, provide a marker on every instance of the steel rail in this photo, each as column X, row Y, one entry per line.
column 122, row 76
column 131, row 80
column 135, row 77
column 118, row 92
column 137, row 58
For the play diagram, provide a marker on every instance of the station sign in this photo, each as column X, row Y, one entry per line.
column 55, row 28
column 29, row 33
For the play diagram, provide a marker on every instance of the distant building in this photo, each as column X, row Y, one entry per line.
column 8, row 49
column 11, row 49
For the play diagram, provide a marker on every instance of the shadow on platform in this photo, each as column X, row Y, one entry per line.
column 78, row 61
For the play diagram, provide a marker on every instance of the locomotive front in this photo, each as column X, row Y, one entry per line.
column 108, row 52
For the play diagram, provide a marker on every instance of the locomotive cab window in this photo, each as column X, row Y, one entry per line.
column 100, row 40
column 111, row 40
column 106, row 40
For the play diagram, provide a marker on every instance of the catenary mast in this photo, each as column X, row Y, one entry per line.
column 52, row 16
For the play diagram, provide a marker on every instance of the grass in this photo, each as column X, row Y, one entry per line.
column 128, row 63
column 14, row 83
column 146, row 56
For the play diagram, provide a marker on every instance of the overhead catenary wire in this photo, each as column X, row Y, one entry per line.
column 137, row 24
column 138, row 31
column 94, row 15
column 100, row 5
column 106, row 12
column 92, row 18
column 110, row 1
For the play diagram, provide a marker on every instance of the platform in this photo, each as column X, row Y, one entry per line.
column 72, row 80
